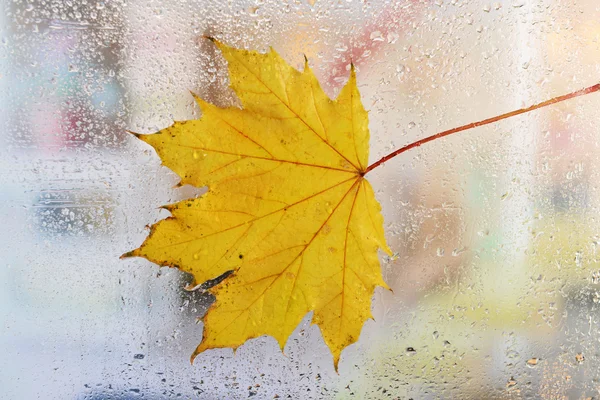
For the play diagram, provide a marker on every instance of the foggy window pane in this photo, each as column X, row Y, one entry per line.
column 495, row 272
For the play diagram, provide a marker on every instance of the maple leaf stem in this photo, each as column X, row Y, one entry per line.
column 487, row 121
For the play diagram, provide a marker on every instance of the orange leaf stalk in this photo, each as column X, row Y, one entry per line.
column 487, row 121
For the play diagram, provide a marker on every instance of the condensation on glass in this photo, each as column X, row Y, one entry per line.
column 495, row 277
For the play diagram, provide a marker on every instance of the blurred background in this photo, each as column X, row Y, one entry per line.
column 495, row 276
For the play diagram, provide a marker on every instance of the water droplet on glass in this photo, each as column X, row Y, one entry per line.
column 376, row 36
column 532, row 362
column 458, row 251
column 341, row 47
column 578, row 259
column 392, row 37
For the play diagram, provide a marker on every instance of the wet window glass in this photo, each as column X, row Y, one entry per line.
column 494, row 231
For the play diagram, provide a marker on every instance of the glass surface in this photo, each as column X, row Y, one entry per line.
column 495, row 277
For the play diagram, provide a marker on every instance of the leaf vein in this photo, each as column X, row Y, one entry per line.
column 293, row 112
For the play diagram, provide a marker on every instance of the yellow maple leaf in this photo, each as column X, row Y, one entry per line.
column 289, row 224
column 288, row 208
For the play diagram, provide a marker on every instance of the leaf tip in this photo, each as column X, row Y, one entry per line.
column 336, row 362
column 137, row 135
column 386, row 287
column 168, row 207
column 384, row 246
column 352, row 71
column 194, row 95
column 194, row 355
column 281, row 341
column 129, row 254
